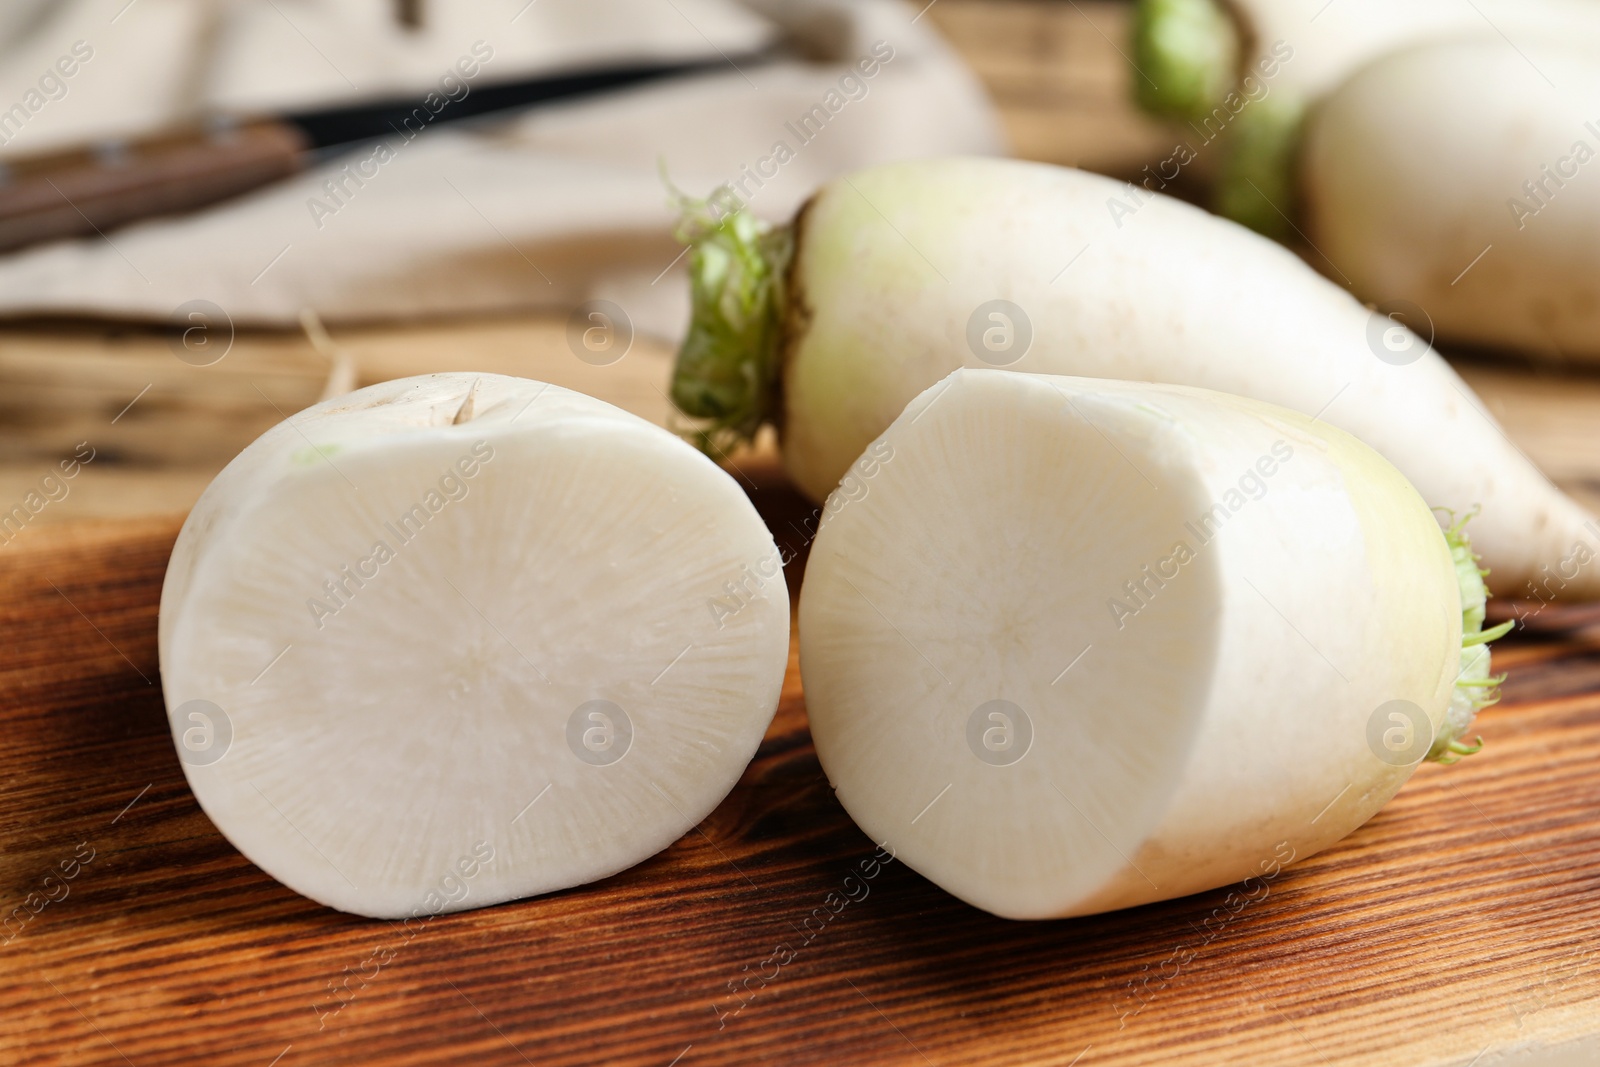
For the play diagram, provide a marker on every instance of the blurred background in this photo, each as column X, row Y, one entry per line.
column 216, row 212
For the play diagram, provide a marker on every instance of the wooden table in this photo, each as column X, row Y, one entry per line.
column 1461, row 922
column 1458, row 927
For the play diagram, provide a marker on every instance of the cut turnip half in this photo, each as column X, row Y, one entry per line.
column 1081, row 644
column 457, row 639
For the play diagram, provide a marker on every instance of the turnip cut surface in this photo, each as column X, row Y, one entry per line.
column 458, row 639
column 1072, row 645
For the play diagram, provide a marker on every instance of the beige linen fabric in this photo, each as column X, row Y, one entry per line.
column 541, row 210
column 140, row 65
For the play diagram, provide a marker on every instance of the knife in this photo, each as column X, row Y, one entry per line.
column 98, row 188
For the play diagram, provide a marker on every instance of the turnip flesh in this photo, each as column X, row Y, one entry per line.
column 1079, row 644
column 895, row 276
column 459, row 639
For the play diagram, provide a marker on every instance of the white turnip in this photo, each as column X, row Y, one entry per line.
column 1246, row 71
column 1458, row 177
column 1079, row 644
column 891, row 278
column 457, row 639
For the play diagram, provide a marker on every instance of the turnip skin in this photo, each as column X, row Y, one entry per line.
column 1331, row 41
column 1184, row 46
column 890, row 265
column 1418, row 165
column 941, row 587
column 585, row 554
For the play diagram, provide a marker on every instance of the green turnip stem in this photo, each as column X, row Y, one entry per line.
column 1187, row 53
column 1468, row 640
column 727, row 371
column 1475, row 688
column 1255, row 183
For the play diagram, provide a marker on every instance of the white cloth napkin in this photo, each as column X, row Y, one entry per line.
column 544, row 209
column 135, row 66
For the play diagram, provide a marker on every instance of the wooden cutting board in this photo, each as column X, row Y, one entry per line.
column 1460, row 923
column 1456, row 928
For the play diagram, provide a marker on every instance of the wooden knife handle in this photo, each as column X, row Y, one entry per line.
column 78, row 193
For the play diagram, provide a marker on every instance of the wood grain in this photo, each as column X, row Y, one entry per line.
column 1059, row 76
column 1463, row 918
column 1459, row 923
